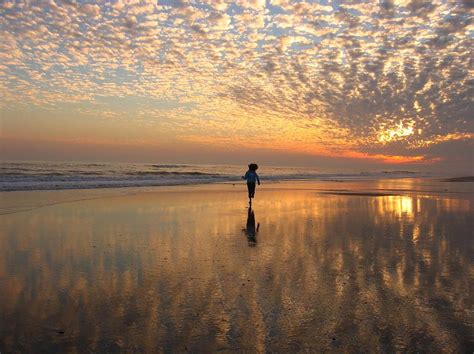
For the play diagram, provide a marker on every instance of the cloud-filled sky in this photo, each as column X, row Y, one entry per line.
column 388, row 82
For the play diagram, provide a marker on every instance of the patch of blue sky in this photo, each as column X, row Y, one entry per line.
column 119, row 75
column 278, row 31
column 132, row 103
column 18, row 74
column 172, row 3
column 275, row 10
column 297, row 47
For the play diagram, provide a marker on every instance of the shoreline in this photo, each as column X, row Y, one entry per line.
column 238, row 181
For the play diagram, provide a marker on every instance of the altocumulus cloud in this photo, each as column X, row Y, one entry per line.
column 325, row 77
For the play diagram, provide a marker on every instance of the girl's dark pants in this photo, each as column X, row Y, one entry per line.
column 251, row 188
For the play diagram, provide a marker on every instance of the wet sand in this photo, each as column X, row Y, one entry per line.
column 334, row 266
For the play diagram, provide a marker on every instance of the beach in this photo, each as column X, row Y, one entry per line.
column 379, row 265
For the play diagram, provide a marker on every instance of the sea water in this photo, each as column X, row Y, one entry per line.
column 18, row 176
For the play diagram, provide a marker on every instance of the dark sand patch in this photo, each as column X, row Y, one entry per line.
column 460, row 179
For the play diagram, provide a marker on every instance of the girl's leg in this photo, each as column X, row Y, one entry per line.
column 251, row 188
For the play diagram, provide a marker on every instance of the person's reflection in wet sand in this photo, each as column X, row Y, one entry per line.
column 250, row 229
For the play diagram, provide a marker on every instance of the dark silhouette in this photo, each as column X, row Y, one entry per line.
column 250, row 229
column 251, row 177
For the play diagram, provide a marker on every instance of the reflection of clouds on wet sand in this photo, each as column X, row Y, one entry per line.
column 168, row 271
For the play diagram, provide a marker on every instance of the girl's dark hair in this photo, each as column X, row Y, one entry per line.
column 253, row 167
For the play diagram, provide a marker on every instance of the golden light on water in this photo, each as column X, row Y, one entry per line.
column 174, row 264
column 399, row 206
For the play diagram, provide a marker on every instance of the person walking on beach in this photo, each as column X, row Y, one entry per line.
column 252, row 178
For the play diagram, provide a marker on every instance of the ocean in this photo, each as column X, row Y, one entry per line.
column 23, row 176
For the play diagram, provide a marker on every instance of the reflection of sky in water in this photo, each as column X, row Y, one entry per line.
column 174, row 271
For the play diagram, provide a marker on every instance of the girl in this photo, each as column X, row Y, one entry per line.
column 251, row 177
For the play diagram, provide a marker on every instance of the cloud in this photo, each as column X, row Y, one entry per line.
column 90, row 10
column 118, row 5
column 252, row 4
column 220, row 21
column 220, row 5
column 8, row 5
column 358, row 76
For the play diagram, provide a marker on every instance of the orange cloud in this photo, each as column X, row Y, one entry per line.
column 390, row 159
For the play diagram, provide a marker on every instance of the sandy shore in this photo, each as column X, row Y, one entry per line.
column 316, row 266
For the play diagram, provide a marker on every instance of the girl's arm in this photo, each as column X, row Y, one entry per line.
column 258, row 179
column 246, row 175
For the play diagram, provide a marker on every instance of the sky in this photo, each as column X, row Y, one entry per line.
column 341, row 84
